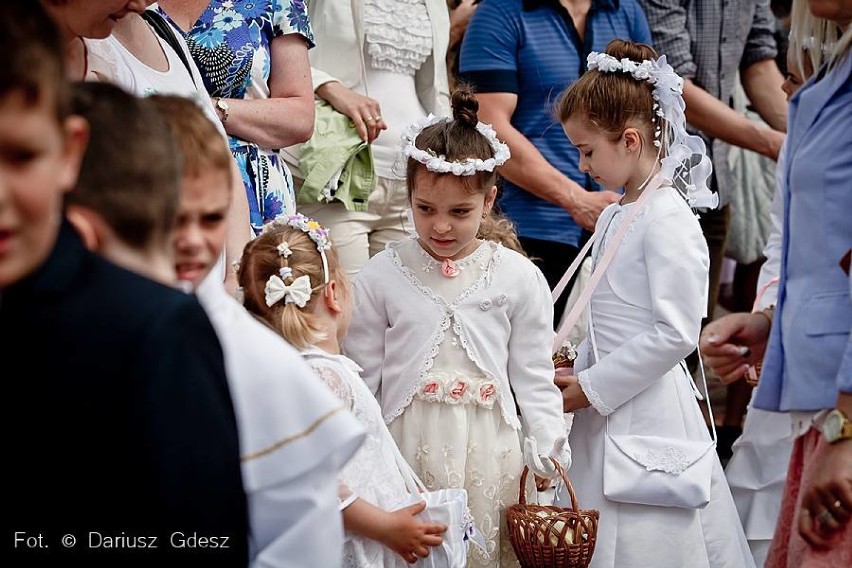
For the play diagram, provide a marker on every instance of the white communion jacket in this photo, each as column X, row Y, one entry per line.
column 503, row 321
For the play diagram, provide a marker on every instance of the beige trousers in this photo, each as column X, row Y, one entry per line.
column 358, row 235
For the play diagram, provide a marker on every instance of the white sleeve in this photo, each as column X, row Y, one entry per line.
column 771, row 269
column 530, row 365
column 309, row 506
column 677, row 264
column 331, row 378
column 365, row 340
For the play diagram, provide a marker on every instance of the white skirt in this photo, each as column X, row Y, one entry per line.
column 471, row 446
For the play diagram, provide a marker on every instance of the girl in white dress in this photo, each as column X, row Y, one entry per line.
column 625, row 116
column 453, row 331
column 290, row 279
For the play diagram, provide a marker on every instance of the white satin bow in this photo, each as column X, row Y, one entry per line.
column 299, row 292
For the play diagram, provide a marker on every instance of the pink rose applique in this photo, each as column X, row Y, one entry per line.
column 458, row 392
column 449, row 268
column 487, row 394
column 432, row 391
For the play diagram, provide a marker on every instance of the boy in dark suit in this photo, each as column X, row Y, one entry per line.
column 121, row 437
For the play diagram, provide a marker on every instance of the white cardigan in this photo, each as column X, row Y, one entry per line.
column 504, row 322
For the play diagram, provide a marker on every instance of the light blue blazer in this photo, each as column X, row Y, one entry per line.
column 809, row 357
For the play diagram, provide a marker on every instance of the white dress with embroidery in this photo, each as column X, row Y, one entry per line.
column 646, row 314
column 373, row 473
column 453, row 433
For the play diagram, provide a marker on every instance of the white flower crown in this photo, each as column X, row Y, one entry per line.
column 439, row 163
column 670, row 133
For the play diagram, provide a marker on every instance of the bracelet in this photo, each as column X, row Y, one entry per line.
column 768, row 313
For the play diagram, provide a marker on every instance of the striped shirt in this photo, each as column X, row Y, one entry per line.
column 708, row 41
column 532, row 49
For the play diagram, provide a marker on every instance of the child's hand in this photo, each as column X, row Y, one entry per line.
column 410, row 537
column 573, row 397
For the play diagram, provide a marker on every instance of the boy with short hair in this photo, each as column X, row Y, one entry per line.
column 126, row 199
column 295, row 435
column 123, row 426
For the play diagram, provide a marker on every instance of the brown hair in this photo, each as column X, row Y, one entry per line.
column 130, row 173
column 457, row 140
column 33, row 53
column 200, row 145
column 612, row 101
column 261, row 260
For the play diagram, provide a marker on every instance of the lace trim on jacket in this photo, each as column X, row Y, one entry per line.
column 448, row 320
column 398, row 34
column 594, row 398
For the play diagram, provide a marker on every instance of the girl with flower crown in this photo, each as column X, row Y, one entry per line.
column 632, row 390
column 291, row 279
column 449, row 325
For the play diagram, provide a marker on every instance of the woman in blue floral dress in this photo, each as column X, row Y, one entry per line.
column 253, row 56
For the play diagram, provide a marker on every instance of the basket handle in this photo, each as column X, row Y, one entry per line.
column 522, row 495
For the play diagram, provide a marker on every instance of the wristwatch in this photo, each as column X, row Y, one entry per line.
column 223, row 106
column 836, row 427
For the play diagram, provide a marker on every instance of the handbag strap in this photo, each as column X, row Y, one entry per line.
column 705, row 397
column 597, row 274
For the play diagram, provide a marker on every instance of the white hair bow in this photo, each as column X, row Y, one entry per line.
column 299, row 292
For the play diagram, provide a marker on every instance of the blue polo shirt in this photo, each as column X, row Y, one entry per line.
column 531, row 48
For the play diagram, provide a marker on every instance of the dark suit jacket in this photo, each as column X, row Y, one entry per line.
column 118, row 418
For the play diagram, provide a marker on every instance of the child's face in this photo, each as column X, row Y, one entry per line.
column 600, row 157
column 446, row 216
column 92, row 18
column 201, row 226
column 39, row 161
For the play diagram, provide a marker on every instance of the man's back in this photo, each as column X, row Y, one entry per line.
column 123, row 425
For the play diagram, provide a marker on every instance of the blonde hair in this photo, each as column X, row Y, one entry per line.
column 497, row 228
column 811, row 37
column 261, row 259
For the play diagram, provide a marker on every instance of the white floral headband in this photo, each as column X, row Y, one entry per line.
column 299, row 291
column 439, row 163
column 682, row 148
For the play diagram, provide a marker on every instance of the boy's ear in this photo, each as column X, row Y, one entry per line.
column 75, row 137
column 330, row 297
column 85, row 226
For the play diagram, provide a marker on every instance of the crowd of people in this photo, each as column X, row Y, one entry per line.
column 288, row 282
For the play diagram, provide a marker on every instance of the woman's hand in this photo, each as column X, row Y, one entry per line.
column 364, row 112
column 733, row 342
column 827, row 499
column 573, row 397
column 408, row 536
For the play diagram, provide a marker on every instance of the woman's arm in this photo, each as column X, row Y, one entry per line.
column 287, row 116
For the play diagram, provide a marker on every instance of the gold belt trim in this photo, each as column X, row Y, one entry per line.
column 306, row 432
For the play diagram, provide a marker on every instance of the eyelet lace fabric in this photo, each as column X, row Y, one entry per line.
column 398, row 33
column 372, row 473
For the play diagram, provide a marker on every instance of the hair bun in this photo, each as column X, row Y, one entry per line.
column 638, row 52
column 465, row 106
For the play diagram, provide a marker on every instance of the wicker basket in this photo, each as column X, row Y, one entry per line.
column 547, row 536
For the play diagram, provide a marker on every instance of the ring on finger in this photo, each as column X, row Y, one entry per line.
column 824, row 516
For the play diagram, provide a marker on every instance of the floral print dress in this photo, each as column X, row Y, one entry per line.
column 453, row 433
column 230, row 43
